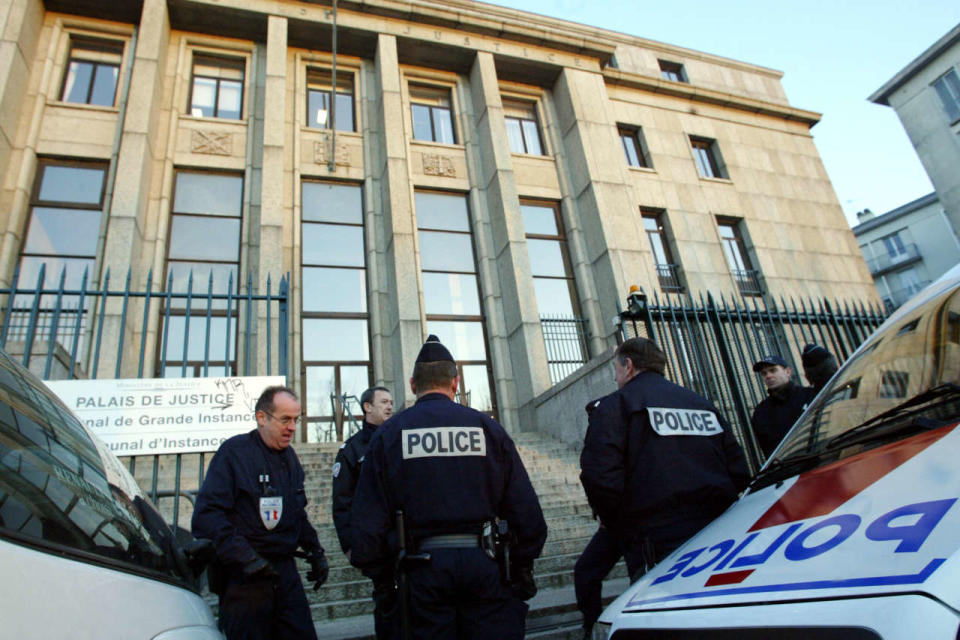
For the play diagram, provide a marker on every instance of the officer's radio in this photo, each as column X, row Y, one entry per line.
column 495, row 542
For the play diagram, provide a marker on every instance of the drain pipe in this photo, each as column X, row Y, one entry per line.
column 332, row 160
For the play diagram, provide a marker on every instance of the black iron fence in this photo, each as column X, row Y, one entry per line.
column 711, row 346
column 68, row 332
column 566, row 344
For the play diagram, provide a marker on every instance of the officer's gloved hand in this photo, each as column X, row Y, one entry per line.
column 259, row 569
column 522, row 582
column 319, row 568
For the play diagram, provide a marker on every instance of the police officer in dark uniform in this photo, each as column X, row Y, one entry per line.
column 659, row 462
column 785, row 401
column 252, row 506
column 449, row 469
column 377, row 406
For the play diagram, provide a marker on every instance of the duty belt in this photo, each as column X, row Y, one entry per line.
column 453, row 541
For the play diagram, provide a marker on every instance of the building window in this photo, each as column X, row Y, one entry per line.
column 335, row 322
column 92, row 72
column 948, row 88
column 668, row 272
column 523, row 131
column 672, row 71
column 634, row 146
column 217, row 87
column 206, row 206
column 894, row 246
column 738, row 259
column 431, row 114
column 319, row 85
column 451, row 292
column 62, row 234
column 893, row 384
column 554, row 287
column 708, row 158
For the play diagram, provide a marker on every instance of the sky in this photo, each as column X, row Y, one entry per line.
column 833, row 54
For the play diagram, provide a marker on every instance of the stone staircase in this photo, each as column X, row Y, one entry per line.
column 343, row 609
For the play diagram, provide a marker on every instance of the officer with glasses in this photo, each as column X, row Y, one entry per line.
column 252, row 506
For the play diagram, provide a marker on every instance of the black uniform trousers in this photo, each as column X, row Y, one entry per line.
column 459, row 595
column 266, row 609
column 597, row 560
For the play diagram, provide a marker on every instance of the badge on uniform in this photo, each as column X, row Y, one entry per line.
column 271, row 510
column 336, row 469
column 669, row 421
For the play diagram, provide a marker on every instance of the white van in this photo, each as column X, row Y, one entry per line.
column 82, row 553
column 852, row 528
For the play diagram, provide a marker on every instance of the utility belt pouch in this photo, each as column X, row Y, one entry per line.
column 488, row 539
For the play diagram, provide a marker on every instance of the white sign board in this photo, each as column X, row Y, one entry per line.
column 164, row 415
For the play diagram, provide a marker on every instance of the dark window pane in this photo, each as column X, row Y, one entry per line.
column 539, row 220
column 330, row 244
column 463, row 339
column 334, row 290
column 532, row 136
column 104, row 85
column 331, row 202
column 333, row 339
column 78, row 185
column 553, row 297
column 441, row 211
column 451, row 294
column 446, row 252
column 515, row 136
column 203, row 97
column 63, row 231
column 546, row 258
column 78, row 82
column 192, row 238
column 209, row 193
column 198, row 341
column 443, row 123
column 421, row 122
column 475, row 387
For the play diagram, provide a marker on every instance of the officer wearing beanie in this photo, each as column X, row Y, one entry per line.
column 449, row 469
column 819, row 365
column 659, row 462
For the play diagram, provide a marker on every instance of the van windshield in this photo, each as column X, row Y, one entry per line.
column 906, row 379
column 60, row 492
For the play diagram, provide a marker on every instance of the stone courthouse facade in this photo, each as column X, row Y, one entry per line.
column 479, row 173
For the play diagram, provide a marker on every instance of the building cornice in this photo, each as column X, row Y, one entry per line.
column 882, row 95
column 694, row 93
column 893, row 214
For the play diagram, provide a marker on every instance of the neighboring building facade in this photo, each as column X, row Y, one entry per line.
column 492, row 170
column 907, row 248
column 926, row 96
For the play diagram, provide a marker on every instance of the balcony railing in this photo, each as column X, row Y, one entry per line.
column 566, row 343
column 898, row 297
column 886, row 262
column 669, row 276
column 748, row 281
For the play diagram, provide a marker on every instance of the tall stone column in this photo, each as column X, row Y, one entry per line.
column 401, row 331
column 611, row 242
column 127, row 208
column 513, row 322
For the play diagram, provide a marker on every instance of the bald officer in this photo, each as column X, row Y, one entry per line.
column 450, row 469
column 659, row 462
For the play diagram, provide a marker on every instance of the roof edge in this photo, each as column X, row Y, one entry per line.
column 881, row 95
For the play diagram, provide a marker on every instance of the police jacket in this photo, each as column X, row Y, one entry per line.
column 658, row 460
column 449, row 468
column 227, row 510
column 776, row 414
column 346, row 471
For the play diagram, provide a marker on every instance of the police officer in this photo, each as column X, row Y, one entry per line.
column 658, row 461
column 449, row 469
column 819, row 365
column 251, row 505
column 785, row 401
column 377, row 406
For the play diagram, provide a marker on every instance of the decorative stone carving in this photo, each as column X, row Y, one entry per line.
column 436, row 165
column 321, row 152
column 212, row 142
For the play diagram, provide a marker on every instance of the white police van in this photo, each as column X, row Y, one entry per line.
column 852, row 528
column 82, row 553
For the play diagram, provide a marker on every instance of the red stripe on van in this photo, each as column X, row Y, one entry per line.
column 731, row 577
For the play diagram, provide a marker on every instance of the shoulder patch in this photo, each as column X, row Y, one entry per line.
column 336, row 469
column 343, row 445
column 669, row 421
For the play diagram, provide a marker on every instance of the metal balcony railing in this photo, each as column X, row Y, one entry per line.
column 898, row 297
column 669, row 276
column 883, row 263
column 566, row 343
column 748, row 281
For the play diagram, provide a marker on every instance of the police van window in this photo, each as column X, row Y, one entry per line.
column 55, row 494
column 910, row 326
